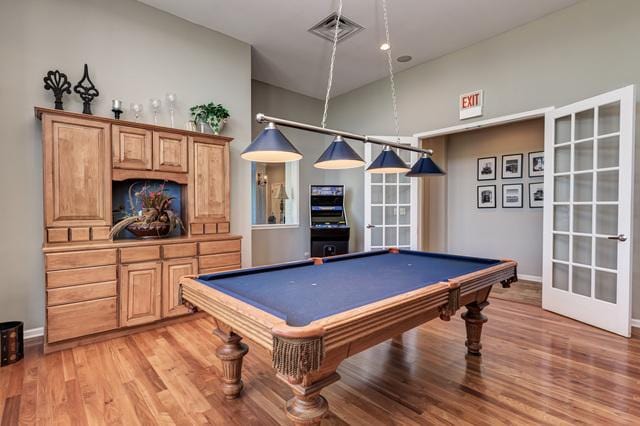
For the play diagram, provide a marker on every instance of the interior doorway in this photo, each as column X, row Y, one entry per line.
column 490, row 202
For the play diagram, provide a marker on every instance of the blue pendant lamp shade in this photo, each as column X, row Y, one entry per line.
column 339, row 155
column 271, row 146
column 388, row 162
column 425, row 166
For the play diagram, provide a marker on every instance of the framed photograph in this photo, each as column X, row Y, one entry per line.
column 512, row 196
column 536, row 164
column 487, row 197
column 487, row 168
column 512, row 166
column 536, row 195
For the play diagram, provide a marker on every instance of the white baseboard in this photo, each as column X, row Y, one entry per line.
column 635, row 323
column 532, row 278
column 33, row 333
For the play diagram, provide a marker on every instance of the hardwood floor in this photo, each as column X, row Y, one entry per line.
column 521, row 291
column 536, row 368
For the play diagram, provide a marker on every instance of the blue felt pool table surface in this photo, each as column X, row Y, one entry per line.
column 301, row 292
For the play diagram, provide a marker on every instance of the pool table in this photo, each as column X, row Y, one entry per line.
column 311, row 315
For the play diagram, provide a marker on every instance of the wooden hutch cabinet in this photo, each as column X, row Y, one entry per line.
column 97, row 287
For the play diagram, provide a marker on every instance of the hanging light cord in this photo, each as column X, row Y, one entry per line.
column 331, row 65
column 390, row 61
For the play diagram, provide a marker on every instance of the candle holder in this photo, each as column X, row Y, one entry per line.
column 171, row 103
column 137, row 110
column 116, row 108
column 155, row 107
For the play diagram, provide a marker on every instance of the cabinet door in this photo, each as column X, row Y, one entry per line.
column 131, row 148
column 172, row 271
column 77, row 171
column 208, row 181
column 169, row 152
column 140, row 293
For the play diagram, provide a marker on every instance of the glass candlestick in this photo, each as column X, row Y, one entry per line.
column 171, row 103
column 137, row 110
column 155, row 107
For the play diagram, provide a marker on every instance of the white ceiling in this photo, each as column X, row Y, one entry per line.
column 285, row 54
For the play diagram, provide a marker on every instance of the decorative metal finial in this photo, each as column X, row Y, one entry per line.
column 57, row 82
column 87, row 91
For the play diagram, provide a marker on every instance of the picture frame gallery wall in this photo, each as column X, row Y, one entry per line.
column 512, row 193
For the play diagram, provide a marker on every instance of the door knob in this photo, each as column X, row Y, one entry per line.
column 369, row 226
column 620, row 237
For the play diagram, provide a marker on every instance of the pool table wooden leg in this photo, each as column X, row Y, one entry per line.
column 474, row 320
column 308, row 407
column 231, row 353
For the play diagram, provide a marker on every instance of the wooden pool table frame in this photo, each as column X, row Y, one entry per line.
column 341, row 335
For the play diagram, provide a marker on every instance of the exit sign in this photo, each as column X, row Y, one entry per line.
column 470, row 104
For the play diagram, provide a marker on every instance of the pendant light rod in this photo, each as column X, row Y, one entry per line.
column 261, row 118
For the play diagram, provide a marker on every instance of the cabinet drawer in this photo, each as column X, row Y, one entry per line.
column 215, row 247
column 221, row 269
column 80, row 293
column 80, row 319
column 219, row 260
column 79, row 259
column 139, row 254
column 81, row 276
column 173, row 251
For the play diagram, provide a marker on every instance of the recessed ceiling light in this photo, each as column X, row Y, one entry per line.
column 404, row 58
column 385, row 46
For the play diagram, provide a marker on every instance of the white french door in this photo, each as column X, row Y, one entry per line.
column 589, row 154
column 391, row 202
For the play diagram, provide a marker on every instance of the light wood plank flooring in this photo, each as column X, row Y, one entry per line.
column 536, row 368
column 522, row 291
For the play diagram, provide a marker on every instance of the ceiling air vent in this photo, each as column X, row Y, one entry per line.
column 326, row 28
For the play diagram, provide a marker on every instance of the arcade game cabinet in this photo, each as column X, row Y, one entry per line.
column 329, row 229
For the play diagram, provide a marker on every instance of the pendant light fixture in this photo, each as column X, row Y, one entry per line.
column 271, row 146
column 339, row 155
column 425, row 166
column 388, row 162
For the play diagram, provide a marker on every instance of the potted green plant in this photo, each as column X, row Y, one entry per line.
column 215, row 115
column 155, row 218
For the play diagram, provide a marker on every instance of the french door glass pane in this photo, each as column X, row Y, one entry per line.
column 606, row 286
column 376, row 237
column 561, row 190
column 404, row 194
column 606, row 253
column 583, row 187
column 390, row 215
column 582, row 219
column 563, row 159
column 376, row 215
column 609, row 152
column 390, row 194
column 376, row 177
column 584, row 124
column 404, row 236
column 390, row 236
column 581, row 281
column 609, row 118
column 563, row 129
column 608, row 186
column 560, row 278
column 561, row 247
column 376, row 194
column 404, row 217
column 391, row 178
column 583, row 156
column 582, row 250
column 561, row 218
column 607, row 220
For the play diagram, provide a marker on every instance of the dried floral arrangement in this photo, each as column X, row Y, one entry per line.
column 155, row 218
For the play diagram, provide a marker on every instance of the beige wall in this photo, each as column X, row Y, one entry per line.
column 495, row 233
column 290, row 243
column 578, row 52
column 134, row 53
